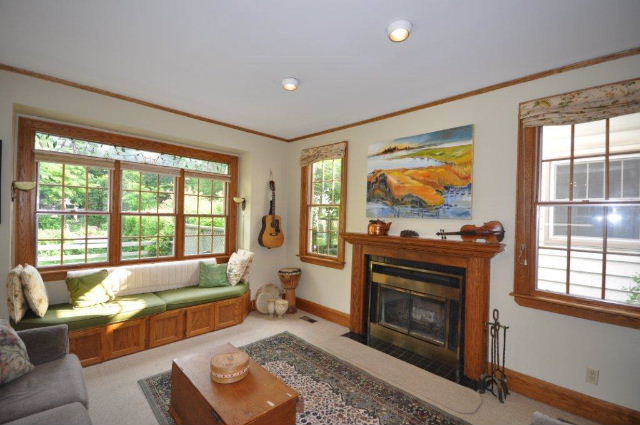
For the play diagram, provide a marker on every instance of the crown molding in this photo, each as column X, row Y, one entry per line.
column 498, row 86
column 108, row 93
column 493, row 87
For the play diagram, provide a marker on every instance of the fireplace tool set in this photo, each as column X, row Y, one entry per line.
column 497, row 380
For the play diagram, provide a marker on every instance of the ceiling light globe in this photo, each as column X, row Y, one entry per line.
column 399, row 30
column 290, row 84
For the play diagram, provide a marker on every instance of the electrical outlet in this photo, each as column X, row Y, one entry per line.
column 592, row 376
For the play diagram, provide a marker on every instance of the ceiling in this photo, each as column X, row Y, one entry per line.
column 224, row 60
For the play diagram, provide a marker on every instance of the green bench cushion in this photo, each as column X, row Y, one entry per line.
column 194, row 295
column 121, row 309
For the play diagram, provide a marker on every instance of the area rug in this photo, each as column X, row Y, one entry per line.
column 333, row 391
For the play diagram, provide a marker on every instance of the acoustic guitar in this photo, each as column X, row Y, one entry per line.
column 271, row 235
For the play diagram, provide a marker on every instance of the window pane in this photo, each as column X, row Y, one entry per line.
column 131, row 180
column 49, row 142
column 98, row 226
column 97, row 250
column 190, row 204
column 624, row 133
column 75, row 175
column 217, row 206
column 218, row 245
column 317, row 171
column 218, row 188
column 130, row 248
column 148, row 202
column 556, row 141
column 49, row 226
column 48, row 253
column 167, row 226
column 590, row 138
column 191, row 226
column 190, row 245
column 98, row 177
column 167, row 183
column 166, row 247
column 204, row 205
column 585, row 275
column 316, row 194
column 49, row 197
column 206, row 245
column 130, row 225
column 74, row 226
column 579, row 180
column 337, row 169
column 552, row 248
column 150, row 226
column 75, row 198
column 50, row 173
column 206, row 187
column 587, row 222
column 562, row 180
column 206, row 226
column 327, row 169
column 149, row 247
column 219, row 225
column 149, row 182
column 631, row 178
column 98, row 200
column 191, row 185
column 74, row 251
column 623, row 222
column 595, row 180
column 131, row 201
column 615, row 179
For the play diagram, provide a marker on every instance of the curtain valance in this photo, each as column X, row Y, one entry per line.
column 319, row 153
column 580, row 106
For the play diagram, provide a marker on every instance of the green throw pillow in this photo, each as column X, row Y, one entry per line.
column 213, row 275
column 90, row 289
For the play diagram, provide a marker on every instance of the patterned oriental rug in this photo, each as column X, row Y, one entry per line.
column 333, row 391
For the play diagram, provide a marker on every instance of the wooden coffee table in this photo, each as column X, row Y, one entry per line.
column 260, row 398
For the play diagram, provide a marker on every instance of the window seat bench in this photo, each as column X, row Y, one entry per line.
column 137, row 322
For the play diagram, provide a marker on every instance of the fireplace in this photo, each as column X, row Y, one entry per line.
column 418, row 307
column 460, row 274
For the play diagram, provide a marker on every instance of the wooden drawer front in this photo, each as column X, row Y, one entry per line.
column 126, row 337
column 200, row 319
column 228, row 312
column 166, row 327
column 88, row 345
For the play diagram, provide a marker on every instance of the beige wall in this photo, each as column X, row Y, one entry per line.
column 258, row 155
column 551, row 347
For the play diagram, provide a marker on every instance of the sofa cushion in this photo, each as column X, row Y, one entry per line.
column 34, row 290
column 14, row 359
column 149, row 277
column 89, row 290
column 213, row 275
column 118, row 310
column 69, row 414
column 49, row 385
column 185, row 297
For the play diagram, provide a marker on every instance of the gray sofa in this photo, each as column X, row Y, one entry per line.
column 54, row 392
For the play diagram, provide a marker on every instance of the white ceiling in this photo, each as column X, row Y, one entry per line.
column 224, row 59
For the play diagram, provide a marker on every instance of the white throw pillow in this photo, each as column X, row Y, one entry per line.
column 247, row 271
column 237, row 266
column 16, row 302
column 34, row 290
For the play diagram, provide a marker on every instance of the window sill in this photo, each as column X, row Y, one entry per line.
column 627, row 316
column 334, row 263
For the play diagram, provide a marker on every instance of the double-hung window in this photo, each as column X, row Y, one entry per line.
column 107, row 199
column 322, row 207
column 578, row 218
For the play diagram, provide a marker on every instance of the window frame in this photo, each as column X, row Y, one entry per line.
column 26, row 202
column 305, row 204
column 524, row 291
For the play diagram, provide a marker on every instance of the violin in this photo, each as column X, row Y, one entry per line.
column 491, row 231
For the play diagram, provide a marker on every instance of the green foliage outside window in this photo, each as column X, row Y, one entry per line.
column 326, row 192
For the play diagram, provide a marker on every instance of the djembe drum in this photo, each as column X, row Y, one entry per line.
column 290, row 277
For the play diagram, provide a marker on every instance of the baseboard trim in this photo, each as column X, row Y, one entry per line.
column 571, row 401
column 335, row 316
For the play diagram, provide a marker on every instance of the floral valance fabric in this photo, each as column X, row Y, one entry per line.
column 580, row 106
column 319, row 153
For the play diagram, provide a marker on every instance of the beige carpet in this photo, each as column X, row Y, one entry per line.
column 115, row 397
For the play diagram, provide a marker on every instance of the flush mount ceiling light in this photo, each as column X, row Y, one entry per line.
column 289, row 83
column 399, row 30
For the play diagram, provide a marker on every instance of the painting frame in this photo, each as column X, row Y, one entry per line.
column 428, row 175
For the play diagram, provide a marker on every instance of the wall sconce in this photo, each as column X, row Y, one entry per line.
column 241, row 201
column 23, row 186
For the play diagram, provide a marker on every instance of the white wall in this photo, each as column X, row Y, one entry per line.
column 552, row 347
column 258, row 155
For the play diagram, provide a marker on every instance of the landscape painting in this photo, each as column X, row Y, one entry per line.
column 425, row 176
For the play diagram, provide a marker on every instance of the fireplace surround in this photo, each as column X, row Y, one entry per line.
column 472, row 257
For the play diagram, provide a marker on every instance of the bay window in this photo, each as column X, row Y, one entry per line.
column 107, row 199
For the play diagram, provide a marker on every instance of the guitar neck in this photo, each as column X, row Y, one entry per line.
column 272, row 203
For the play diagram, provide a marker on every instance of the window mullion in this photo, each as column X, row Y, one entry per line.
column 570, row 210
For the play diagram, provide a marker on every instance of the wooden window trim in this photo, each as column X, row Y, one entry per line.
column 25, row 203
column 305, row 200
column 525, row 292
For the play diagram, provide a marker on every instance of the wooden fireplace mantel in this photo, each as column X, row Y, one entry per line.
column 474, row 257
